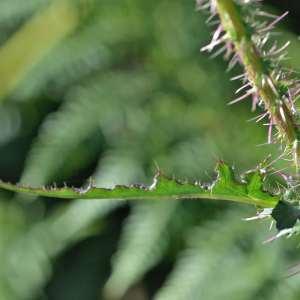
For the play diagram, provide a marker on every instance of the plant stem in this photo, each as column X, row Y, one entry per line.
column 259, row 75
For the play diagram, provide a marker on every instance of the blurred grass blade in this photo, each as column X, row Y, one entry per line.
column 33, row 41
column 225, row 187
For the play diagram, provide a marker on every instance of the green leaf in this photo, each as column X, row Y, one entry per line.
column 285, row 214
column 225, row 187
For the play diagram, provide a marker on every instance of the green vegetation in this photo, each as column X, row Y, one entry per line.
column 113, row 91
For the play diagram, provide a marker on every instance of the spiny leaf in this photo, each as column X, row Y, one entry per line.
column 285, row 215
column 225, row 187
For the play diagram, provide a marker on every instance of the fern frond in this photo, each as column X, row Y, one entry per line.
column 98, row 99
column 216, row 250
column 45, row 240
column 11, row 11
column 36, row 249
column 89, row 49
column 142, row 245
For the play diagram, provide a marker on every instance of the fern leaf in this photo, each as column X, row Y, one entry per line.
column 137, row 254
column 215, row 250
column 95, row 99
column 11, row 11
column 89, row 49
column 44, row 241
column 36, row 248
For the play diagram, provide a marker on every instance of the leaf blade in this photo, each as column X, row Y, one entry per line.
column 225, row 187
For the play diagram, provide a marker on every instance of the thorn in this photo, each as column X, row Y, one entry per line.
column 154, row 183
column 264, row 39
column 278, row 171
column 255, row 101
column 210, row 18
column 276, row 159
column 265, row 213
column 272, row 24
column 243, row 87
column 248, row 93
column 202, row 4
column 254, row 118
column 213, row 44
column 275, row 52
column 262, row 116
column 263, row 144
column 282, row 114
column 285, row 232
column 83, row 190
column 241, row 76
column 265, row 14
column 271, row 225
column 272, row 86
column 232, row 63
column 218, row 52
column 270, row 132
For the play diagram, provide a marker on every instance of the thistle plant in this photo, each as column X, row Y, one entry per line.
column 271, row 87
column 243, row 34
column 177, row 236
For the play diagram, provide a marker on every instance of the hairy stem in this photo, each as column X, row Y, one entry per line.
column 259, row 76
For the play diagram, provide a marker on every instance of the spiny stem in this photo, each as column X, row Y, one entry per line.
column 259, row 76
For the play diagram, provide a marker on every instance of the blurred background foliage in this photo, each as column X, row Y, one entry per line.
column 108, row 90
